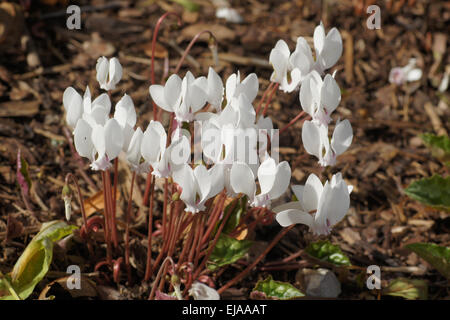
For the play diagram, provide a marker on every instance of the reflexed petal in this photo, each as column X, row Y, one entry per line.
column 185, row 178
column 102, row 68
column 242, row 179
column 279, row 63
column 134, row 149
column 103, row 101
column 282, row 46
column 113, row 138
column 319, row 38
column 127, row 132
column 230, row 86
column 203, row 182
column 157, row 94
column 216, row 174
column 87, row 100
column 332, row 49
column 304, row 61
column 311, row 139
column 98, row 139
column 198, row 95
column 172, row 91
column 342, row 137
column 250, row 86
column 267, row 175
column 330, row 95
column 154, row 142
column 335, row 205
column 215, row 89
column 282, row 180
column 115, row 72
column 312, row 192
column 296, row 205
column 82, row 139
column 292, row 216
column 73, row 103
column 125, row 111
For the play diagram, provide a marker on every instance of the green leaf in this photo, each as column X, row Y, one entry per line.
column 437, row 256
column 228, row 250
column 276, row 290
column 440, row 146
column 434, row 191
column 33, row 264
column 410, row 289
column 326, row 251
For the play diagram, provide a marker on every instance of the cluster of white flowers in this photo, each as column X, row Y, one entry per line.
column 318, row 206
column 229, row 135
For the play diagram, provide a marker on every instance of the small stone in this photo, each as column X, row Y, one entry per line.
column 321, row 283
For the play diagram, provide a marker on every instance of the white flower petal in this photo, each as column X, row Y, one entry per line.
column 158, row 96
column 282, row 180
column 330, row 95
column 82, row 139
column 342, row 137
column 312, row 192
column 311, row 139
column 242, row 179
column 113, row 138
column 292, row 216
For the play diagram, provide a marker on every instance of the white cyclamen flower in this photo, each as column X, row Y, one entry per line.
column 134, row 155
column 319, row 98
column 319, row 207
column 316, row 142
column 281, row 62
column 201, row 291
column 273, row 181
column 328, row 48
column 183, row 97
column 109, row 72
column 81, row 107
column 104, row 141
column 301, row 62
column 198, row 185
column 234, row 87
column 400, row 75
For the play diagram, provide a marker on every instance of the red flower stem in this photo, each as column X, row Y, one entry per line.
column 292, row 122
column 189, row 239
column 112, row 220
column 107, row 231
column 127, row 230
column 214, row 242
column 185, row 53
column 243, row 273
column 114, row 200
column 164, row 217
column 148, row 269
column 270, row 98
column 216, row 215
column 263, row 97
column 155, row 35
